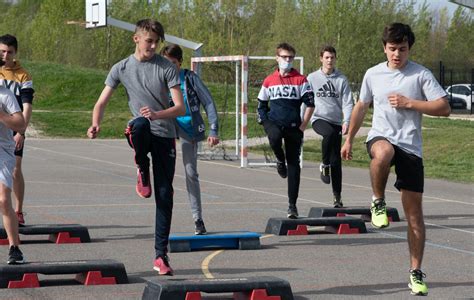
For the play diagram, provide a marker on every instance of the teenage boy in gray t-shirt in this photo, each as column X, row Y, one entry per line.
column 401, row 91
column 148, row 79
column 11, row 118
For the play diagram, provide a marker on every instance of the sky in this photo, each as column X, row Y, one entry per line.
column 438, row 4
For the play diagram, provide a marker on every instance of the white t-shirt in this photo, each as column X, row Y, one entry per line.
column 402, row 127
column 9, row 105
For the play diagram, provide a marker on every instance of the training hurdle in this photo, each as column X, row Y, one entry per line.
column 364, row 212
column 339, row 225
column 58, row 233
column 218, row 240
column 88, row 272
column 251, row 288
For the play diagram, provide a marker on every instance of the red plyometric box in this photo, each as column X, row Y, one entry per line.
column 94, row 278
column 300, row 230
column 64, row 238
column 193, row 296
column 258, row 294
column 346, row 229
column 30, row 280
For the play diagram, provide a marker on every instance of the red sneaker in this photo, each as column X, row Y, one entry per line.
column 162, row 265
column 21, row 218
column 143, row 187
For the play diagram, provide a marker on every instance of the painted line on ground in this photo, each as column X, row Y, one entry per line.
column 228, row 165
column 450, row 228
column 142, row 204
column 221, row 184
column 207, row 260
column 205, row 263
column 429, row 243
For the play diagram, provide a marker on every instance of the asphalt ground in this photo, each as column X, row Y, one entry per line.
column 91, row 182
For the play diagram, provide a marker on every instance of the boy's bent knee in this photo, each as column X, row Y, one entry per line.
column 140, row 123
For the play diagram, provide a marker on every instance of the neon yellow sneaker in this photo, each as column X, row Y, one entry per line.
column 417, row 285
column 379, row 213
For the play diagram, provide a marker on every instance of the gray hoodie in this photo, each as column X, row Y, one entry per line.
column 332, row 97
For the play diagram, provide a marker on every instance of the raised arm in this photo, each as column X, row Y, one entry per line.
column 172, row 112
column 438, row 107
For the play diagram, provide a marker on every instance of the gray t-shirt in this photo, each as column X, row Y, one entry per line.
column 10, row 106
column 402, row 127
column 147, row 84
column 332, row 97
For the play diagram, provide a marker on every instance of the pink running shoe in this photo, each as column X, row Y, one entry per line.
column 21, row 218
column 143, row 187
column 162, row 265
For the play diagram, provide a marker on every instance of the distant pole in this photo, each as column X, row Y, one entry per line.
column 441, row 74
column 472, row 85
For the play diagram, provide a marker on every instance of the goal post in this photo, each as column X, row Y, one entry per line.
column 241, row 70
column 241, row 100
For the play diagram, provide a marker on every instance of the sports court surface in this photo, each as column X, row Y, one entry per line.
column 92, row 183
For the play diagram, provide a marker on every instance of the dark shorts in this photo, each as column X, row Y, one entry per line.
column 408, row 167
column 19, row 152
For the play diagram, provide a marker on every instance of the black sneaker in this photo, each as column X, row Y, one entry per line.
column 292, row 212
column 200, row 229
column 338, row 201
column 325, row 173
column 15, row 256
column 281, row 168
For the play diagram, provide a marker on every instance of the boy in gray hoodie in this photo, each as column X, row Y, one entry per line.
column 333, row 107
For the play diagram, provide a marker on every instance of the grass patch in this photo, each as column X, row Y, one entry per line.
column 447, row 150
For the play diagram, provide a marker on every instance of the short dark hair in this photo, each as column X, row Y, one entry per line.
column 174, row 51
column 285, row 46
column 149, row 25
column 398, row 33
column 9, row 40
column 327, row 48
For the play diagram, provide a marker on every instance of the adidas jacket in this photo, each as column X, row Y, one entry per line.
column 285, row 94
column 17, row 80
column 332, row 97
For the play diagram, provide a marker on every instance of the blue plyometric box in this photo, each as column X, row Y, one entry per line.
column 184, row 242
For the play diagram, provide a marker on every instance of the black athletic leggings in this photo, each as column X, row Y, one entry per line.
column 293, row 138
column 331, row 150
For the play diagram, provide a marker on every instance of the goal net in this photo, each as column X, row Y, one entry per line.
column 234, row 83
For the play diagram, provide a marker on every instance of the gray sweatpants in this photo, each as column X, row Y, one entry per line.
column 189, row 151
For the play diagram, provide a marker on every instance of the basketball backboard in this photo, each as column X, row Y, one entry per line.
column 96, row 13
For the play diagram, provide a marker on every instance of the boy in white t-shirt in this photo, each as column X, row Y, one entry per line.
column 401, row 91
column 11, row 119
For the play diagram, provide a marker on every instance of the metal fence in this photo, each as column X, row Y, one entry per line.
column 451, row 77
